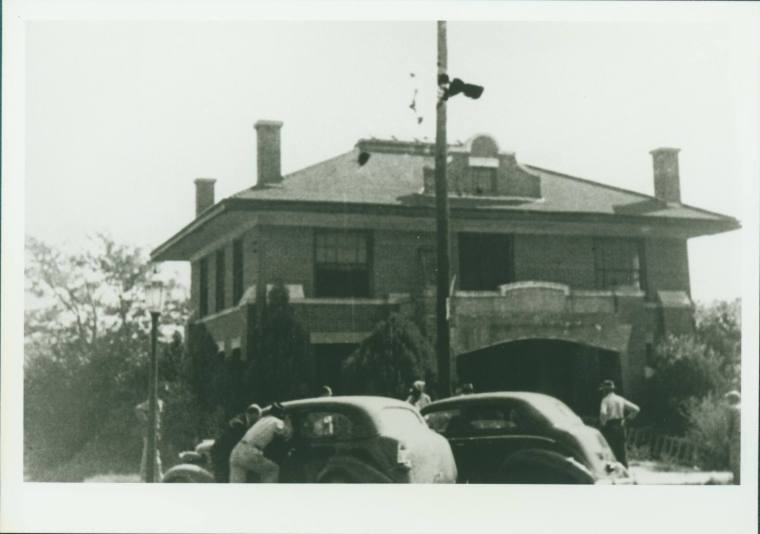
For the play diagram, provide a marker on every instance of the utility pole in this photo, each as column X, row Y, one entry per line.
column 442, row 341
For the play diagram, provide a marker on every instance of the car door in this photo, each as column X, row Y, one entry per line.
column 483, row 434
column 317, row 435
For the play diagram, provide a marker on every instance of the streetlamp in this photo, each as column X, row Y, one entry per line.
column 154, row 296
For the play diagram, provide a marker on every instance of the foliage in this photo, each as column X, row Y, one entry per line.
column 719, row 327
column 685, row 368
column 86, row 355
column 693, row 367
column 283, row 366
column 708, row 429
column 390, row 360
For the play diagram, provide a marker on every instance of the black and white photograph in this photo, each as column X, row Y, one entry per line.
column 501, row 255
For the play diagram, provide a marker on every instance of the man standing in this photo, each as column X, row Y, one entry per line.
column 141, row 411
column 417, row 396
column 248, row 455
column 734, row 433
column 614, row 412
column 230, row 436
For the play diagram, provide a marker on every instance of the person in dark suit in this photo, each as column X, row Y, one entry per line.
column 232, row 433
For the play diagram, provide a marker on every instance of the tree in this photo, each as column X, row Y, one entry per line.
column 691, row 368
column 86, row 345
column 390, row 360
column 719, row 328
column 685, row 368
column 283, row 363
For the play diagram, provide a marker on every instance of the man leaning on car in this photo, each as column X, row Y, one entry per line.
column 248, row 455
column 230, row 436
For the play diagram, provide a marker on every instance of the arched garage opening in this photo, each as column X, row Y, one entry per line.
column 564, row 369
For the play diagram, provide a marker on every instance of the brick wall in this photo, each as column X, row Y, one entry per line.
column 397, row 266
column 667, row 265
column 287, row 253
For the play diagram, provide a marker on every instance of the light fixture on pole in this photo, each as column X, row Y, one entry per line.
column 154, row 299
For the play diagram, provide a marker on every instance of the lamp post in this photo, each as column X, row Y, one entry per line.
column 154, row 298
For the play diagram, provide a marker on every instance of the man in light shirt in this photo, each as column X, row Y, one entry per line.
column 248, row 455
column 613, row 414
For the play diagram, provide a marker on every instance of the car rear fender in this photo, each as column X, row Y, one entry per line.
column 350, row 469
column 548, row 461
column 187, row 473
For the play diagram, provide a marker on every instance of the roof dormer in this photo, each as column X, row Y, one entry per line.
column 478, row 169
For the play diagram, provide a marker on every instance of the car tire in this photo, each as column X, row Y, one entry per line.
column 187, row 474
column 335, row 478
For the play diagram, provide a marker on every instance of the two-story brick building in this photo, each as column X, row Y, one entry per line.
column 558, row 281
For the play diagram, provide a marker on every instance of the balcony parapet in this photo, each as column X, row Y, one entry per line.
column 540, row 297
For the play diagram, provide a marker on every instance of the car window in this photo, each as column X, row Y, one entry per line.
column 400, row 421
column 326, row 425
column 558, row 412
column 488, row 419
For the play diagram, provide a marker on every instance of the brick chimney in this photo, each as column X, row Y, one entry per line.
column 268, row 152
column 204, row 194
column 667, row 184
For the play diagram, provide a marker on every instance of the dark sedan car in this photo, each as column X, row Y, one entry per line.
column 516, row 437
column 349, row 439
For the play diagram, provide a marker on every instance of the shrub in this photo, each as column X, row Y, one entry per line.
column 685, row 368
column 708, row 430
column 283, row 364
column 389, row 360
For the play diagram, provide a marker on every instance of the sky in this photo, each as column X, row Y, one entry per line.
column 122, row 116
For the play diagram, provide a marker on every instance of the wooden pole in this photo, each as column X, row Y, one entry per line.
column 443, row 351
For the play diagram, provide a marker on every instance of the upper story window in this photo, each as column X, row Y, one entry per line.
column 237, row 271
column 617, row 263
column 342, row 264
column 203, row 287
column 220, row 273
column 483, row 180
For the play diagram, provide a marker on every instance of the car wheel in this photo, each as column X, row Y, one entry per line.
column 181, row 479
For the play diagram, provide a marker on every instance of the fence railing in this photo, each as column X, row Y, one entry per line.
column 661, row 446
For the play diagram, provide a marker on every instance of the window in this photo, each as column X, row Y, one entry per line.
column 507, row 417
column 237, row 271
column 203, row 287
column 220, row 279
column 483, row 180
column 328, row 424
column 557, row 412
column 617, row 263
column 342, row 264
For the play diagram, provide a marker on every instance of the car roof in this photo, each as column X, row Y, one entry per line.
column 527, row 396
column 369, row 403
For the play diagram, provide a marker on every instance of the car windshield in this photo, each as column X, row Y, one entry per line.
column 557, row 412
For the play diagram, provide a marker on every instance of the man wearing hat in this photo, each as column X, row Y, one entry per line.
column 248, row 455
column 233, row 431
column 613, row 414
